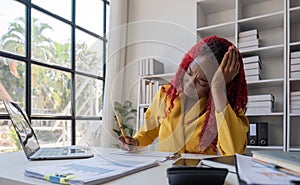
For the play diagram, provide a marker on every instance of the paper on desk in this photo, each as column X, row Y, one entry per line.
column 143, row 153
column 93, row 170
column 254, row 173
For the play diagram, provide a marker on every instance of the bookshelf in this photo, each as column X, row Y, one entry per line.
column 277, row 23
column 149, row 83
column 293, row 45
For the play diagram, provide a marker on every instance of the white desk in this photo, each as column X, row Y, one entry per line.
column 13, row 165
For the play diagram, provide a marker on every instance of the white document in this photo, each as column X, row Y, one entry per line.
column 95, row 170
column 252, row 172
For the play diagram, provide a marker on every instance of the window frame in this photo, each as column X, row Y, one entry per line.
column 28, row 62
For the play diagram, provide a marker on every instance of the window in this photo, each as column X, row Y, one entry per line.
column 52, row 63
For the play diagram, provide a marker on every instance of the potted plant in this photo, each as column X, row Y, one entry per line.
column 127, row 115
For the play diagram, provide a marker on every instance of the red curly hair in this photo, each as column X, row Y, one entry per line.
column 237, row 91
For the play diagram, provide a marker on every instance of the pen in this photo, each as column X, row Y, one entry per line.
column 121, row 127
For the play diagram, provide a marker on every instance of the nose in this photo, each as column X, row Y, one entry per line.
column 190, row 82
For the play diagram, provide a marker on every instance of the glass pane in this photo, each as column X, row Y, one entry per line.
column 52, row 132
column 12, row 81
column 90, row 15
column 58, row 7
column 9, row 141
column 89, row 54
column 89, row 94
column 107, row 18
column 88, row 133
column 51, row 91
column 51, row 40
column 12, row 27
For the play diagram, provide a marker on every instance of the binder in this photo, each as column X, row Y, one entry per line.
column 262, row 133
column 252, row 136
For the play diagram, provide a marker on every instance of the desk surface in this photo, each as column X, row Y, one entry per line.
column 13, row 165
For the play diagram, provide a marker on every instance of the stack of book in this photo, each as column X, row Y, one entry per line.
column 260, row 104
column 295, row 64
column 252, row 67
column 248, row 40
column 295, row 102
column 150, row 66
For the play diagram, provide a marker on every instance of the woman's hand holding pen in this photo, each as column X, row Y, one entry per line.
column 128, row 143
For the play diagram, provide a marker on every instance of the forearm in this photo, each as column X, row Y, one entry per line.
column 146, row 137
column 220, row 98
column 232, row 131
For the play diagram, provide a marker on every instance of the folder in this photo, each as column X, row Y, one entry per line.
column 262, row 134
column 252, row 134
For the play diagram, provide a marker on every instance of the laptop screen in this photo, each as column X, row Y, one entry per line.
column 23, row 129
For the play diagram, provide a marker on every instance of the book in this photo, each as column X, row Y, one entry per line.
column 253, row 65
column 295, row 93
column 295, row 67
column 249, row 72
column 259, row 110
column 248, row 33
column 251, row 78
column 295, row 74
column 293, row 98
column 250, row 48
column 96, row 170
column 262, row 97
column 295, row 111
column 295, row 54
column 251, row 172
column 287, row 161
column 251, row 59
column 155, row 66
column 220, row 162
column 295, row 61
column 248, row 38
column 260, row 104
column 248, row 43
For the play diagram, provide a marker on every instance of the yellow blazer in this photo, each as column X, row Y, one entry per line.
column 177, row 132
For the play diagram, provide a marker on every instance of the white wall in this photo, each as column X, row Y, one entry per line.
column 143, row 28
column 165, row 29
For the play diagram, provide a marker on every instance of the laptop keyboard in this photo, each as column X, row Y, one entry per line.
column 53, row 151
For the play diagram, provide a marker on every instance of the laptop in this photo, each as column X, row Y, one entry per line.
column 29, row 141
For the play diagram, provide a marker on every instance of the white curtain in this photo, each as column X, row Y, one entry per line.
column 115, row 62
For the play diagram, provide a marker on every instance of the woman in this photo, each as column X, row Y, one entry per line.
column 202, row 110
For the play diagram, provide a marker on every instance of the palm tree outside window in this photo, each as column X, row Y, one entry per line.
column 52, row 64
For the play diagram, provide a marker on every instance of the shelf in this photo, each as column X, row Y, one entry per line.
column 254, row 8
column 266, row 147
column 263, row 22
column 226, row 30
column 294, row 25
column 211, row 13
column 294, row 115
column 159, row 76
column 265, row 83
column 272, row 114
column 278, row 32
column 297, row 149
column 144, row 105
column 294, row 79
column 266, row 51
column 294, row 4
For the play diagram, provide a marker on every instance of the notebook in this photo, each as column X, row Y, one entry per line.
column 29, row 141
column 285, row 161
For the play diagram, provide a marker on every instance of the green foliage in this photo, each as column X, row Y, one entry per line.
column 14, row 138
column 126, row 114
